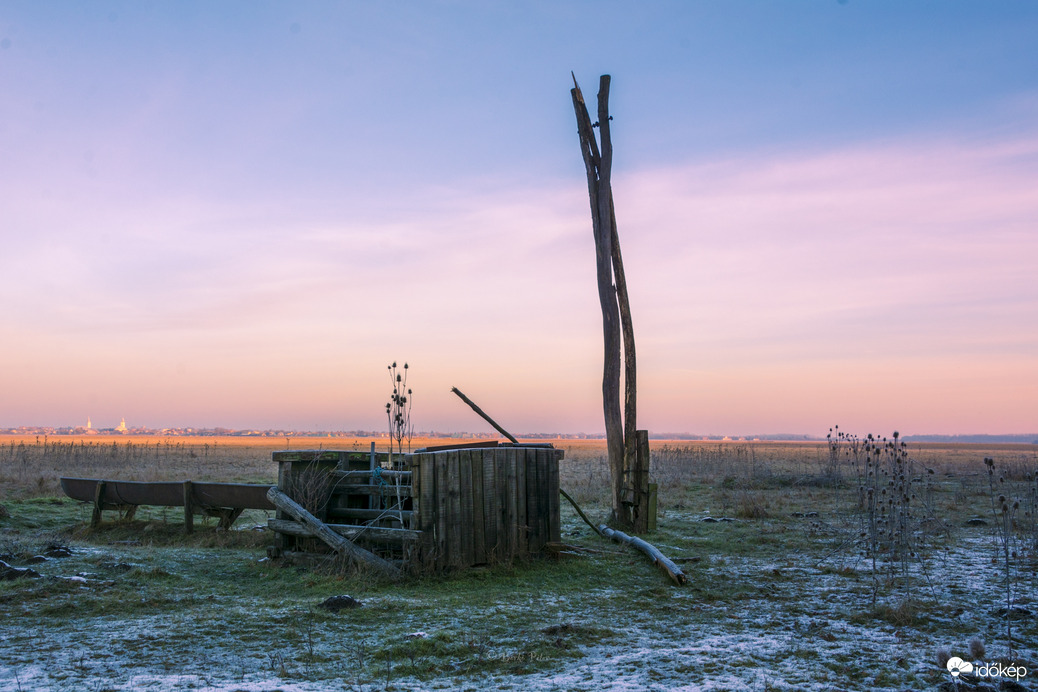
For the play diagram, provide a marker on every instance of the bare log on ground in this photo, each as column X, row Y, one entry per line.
column 661, row 560
column 333, row 539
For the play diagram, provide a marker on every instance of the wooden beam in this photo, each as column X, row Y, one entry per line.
column 320, row 530
column 388, row 490
column 483, row 415
column 370, row 514
column 364, row 475
column 370, row 533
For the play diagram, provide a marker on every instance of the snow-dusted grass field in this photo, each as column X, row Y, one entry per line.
column 780, row 596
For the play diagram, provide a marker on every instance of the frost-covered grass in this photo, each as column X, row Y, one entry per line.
column 780, row 597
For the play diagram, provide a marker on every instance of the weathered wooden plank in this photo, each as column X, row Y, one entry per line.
column 281, row 542
column 491, row 511
column 389, row 491
column 554, row 519
column 454, row 532
column 424, row 504
column 364, row 475
column 465, row 509
column 442, row 510
column 507, row 489
column 535, row 516
column 369, row 514
column 525, row 510
column 372, row 481
column 479, row 547
column 354, row 533
column 321, row 531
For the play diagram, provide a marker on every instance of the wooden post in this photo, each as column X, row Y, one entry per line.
column 321, row 530
column 372, row 500
column 189, row 510
column 639, row 479
column 99, row 494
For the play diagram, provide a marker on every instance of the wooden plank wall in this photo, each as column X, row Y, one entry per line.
column 481, row 506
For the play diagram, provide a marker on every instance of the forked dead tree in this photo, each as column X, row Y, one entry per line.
column 628, row 460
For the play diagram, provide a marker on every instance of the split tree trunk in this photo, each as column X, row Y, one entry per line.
column 616, row 311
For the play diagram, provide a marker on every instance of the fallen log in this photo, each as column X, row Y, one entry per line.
column 661, row 560
column 333, row 539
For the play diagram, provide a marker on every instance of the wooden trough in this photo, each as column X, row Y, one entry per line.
column 223, row 500
column 437, row 509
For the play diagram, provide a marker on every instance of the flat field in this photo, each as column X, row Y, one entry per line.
column 797, row 581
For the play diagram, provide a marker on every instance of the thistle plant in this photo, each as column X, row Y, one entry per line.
column 398, row 410
column 890, row 528
column 1004, row 510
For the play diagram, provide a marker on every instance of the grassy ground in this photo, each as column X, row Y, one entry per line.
column 780, row 593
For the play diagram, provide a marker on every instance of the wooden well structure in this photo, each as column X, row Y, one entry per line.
column 437, row 509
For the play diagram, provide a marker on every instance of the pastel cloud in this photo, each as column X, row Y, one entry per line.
column 777, row 291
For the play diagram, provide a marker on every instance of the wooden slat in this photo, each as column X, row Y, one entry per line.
column 491, row 507
column 361, row 513
column 354, row 533
column 479, row 547
column 425, row 503
column 281, row 542
column 372, row 481
column 525, row 512
column 442, row 509
column 554, row 521
column 454, row 532
column 465, row 509
column 364, row 475
column 534, row 504
column 507, row 492
column 387, row 490
column 465, row 445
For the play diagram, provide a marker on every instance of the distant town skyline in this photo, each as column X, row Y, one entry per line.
column 122, row 430
column 240, row 213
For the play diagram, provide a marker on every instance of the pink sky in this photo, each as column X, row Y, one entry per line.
column 825, row 221
column 781, row 292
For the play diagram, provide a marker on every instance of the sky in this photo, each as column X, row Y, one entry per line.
column 238, row 214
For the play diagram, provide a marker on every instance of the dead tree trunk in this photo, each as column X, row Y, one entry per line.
column 616, row 311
